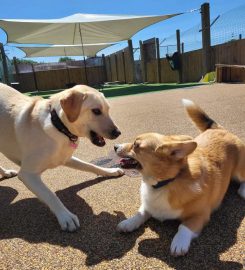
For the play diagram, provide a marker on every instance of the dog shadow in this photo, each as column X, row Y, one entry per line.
column 29, row 219
column 217, row 237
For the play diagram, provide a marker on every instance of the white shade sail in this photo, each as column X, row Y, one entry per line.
column 64, row 50
column 78, row 28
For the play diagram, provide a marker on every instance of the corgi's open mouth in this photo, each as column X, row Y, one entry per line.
column 130, row 163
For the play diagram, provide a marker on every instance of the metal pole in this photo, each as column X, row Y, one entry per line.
column 67, row 69
column 84, row 61
column 179, row 52
column 158, row 63
column 5, row 66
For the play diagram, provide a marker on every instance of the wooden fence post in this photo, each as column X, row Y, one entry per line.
column 116, row 67
column 206, row 38
column 68, row 73
column 131, row 60
column 85, row 70
column 5, row 67
column 34, row 77
column 179, row 52
column 104, row 68
column 124, row 68
column 17, row 71
column 109, row 60
column 158, row 64
column 143, row 62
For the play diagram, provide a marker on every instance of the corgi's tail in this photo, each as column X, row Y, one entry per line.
column 198, row 116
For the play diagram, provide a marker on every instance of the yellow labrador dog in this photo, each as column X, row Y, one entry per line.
column 39, row 134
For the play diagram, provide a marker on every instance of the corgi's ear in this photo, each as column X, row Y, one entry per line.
column 71, row 104
column 177, row 150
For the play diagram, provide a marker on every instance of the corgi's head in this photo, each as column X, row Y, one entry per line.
column 157, row 156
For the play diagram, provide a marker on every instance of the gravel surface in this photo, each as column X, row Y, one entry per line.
column 30, row 237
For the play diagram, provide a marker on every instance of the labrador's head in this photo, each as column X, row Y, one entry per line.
column 85, row 111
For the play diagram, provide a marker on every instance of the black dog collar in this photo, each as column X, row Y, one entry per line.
column 61, row 127
column 163, row 183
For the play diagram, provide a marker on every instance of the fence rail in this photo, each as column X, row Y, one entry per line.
column 118, row 67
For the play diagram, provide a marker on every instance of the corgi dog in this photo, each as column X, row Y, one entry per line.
column 184, row 178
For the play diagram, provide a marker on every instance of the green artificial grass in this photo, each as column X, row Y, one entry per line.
column 134, row 89
column 124, row 89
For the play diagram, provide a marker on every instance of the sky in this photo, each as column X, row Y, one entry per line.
column 51, row 9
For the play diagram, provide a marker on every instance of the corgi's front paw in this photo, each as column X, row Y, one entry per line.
column 133, row 223
column 181, row 241
column 127, row 225
column 241, row 190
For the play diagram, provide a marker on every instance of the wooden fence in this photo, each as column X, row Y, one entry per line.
column 119, row 67
column 232, row 53
column 60, row 78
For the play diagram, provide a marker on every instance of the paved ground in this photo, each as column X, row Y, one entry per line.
column 29, row 234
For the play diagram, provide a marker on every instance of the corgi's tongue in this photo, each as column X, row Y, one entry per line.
column 128, row 163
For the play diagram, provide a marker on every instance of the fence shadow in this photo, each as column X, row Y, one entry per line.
column 30, row 220
column 217, row 237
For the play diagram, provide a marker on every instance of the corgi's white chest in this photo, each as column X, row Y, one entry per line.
column 155, row 202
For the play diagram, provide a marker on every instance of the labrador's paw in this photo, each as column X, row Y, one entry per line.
column 113, row 172
column 9, row 173
column 68, row 221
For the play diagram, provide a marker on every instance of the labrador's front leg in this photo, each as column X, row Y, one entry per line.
column 67, row 220
column 7, row 173
column 78, row 164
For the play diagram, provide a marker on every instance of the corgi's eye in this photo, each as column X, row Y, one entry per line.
column 96, row 111
column 136, row 145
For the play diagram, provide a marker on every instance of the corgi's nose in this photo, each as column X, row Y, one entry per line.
column 116, row 146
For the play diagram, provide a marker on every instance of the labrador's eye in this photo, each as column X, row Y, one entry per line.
column 96, row 111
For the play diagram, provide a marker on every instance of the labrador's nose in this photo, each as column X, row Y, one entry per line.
column 115, row 133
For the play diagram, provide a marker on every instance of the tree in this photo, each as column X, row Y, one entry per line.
column 24, row 61
column 64, row 59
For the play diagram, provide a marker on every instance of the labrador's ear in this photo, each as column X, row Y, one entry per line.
column 177, row 150
column 72, row 104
